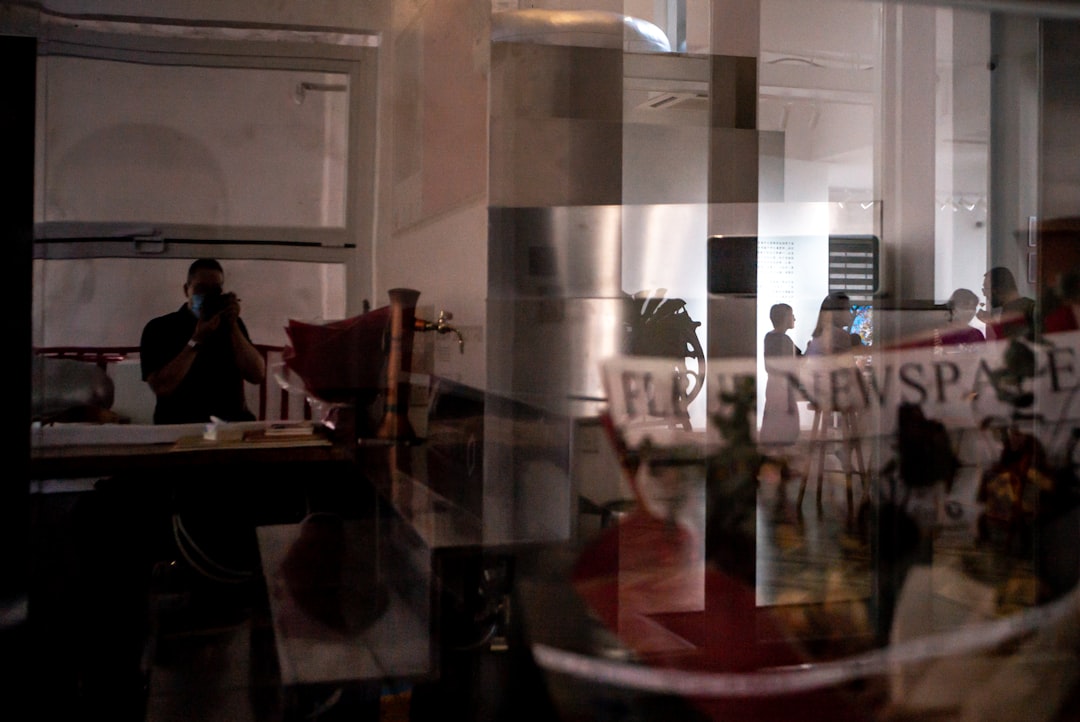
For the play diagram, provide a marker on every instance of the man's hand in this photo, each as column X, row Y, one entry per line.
column 204, row 328
column 230, row 311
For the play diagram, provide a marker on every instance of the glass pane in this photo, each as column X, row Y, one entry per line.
column 133, row 142
column 99, row 302
column 95, row 304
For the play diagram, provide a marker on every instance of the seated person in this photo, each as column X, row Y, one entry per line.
column 197, row 358
column 963, row 304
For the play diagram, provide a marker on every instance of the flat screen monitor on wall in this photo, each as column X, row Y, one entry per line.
column 732, row 265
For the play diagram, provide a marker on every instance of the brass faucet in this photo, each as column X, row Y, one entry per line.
column 442, row 325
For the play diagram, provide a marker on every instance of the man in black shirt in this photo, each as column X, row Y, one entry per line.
column 197, row 358
column 196, row 361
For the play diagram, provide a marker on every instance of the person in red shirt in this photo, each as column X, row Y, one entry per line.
column 963, row 304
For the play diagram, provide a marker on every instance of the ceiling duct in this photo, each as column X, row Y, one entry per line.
column 584, row 28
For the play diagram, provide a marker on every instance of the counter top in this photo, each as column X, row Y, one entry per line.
column 82, row 450
column 398, row 474
column 345, row 602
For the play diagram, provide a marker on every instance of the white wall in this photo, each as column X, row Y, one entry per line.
column 447, row 262
column 135, row 142
column 431, row 230
column 962, row 152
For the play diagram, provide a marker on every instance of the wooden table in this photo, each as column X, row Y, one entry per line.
column 88, row 457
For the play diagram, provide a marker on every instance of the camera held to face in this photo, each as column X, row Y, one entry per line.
column 211, row 303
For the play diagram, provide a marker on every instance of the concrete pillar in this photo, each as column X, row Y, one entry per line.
column 905, row 165
column 734, row 142
column 1014, row 140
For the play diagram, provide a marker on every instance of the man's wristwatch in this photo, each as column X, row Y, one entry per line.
column 193, row 344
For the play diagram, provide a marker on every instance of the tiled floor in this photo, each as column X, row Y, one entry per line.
column 809, row 556
column 225, row 673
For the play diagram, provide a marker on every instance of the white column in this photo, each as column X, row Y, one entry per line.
column 905, row 162
column 1014, row 141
